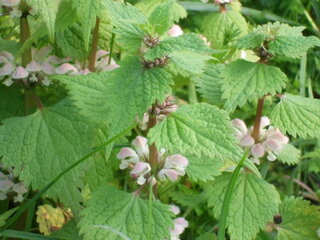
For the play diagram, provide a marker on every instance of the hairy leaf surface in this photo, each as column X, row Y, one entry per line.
column 113, row 214
column 253, row 204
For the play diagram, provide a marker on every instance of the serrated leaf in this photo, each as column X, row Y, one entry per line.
column 254, row 203
column 189, row 41
column 197, row 129
column 161, row 17
column 123, row 214
column 124, row 93
column 88, row 11
column 289, row 155
column 127, row 20
column 298, row 116
column 148, row 6
column 222, row 29
column 40, row 146
column 203, row 168
column 247, row 81
column 292, row 46
column 209, row 84
column 47, row 9
column 105, row 31
column 189, row 61
column 300, row 220
column 71, row 44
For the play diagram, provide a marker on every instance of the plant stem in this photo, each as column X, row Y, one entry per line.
column 150, row 210
column 24, row 36
column 29, row 203
column 228, row 197
column 192, row 92
column 256, row 128
column 153, row 155
column 303, row 67
column 111, row 48
column 93, row 52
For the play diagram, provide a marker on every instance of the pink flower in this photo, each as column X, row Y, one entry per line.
column 180, row 224
column 141, row 146
column 247, row 141
column 127, row 156
column 6, row 69
column 10, row 3
column 33, row 66
column 174, row 166
column 175, row 31
column 7, row 56
column 20, row 73
column 66, row 68
column 48, row 68
column 175, row 209
column 139, row 171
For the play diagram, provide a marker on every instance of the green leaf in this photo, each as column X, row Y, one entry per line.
column 298, row 116
column 253, row 204
column 124, row 93
column 88, row 11
column 289, row 155
column 68, row 232
column 203, row 168
column 43, row 144
column 207, row 236
column 197, row 129
column 300, row 220
column 292, row 46
column 71, row 44
column 127, row 20
column 4, row 216
column 148, row 6
column 161, row 17
column 9, row 46
column 12, row 102
column 247, row 81
column 313, row 163
column 123, row 216
column 189, row 41
column 47, row 9
column 222, row 29
column 210, row 83
column 189, row 61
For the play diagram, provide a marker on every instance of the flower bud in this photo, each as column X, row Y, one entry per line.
column 175, row 31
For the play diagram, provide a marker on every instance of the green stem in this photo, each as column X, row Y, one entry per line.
column 227, row 198
column 192, row 92
column 29, row 203
column 94, row 47
column 24, row 36
column 150, row 210
column 111, row 48
column 30, row 216
column 25, row 235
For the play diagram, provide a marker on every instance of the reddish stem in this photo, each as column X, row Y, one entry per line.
column 256, row 128
column 93, row 52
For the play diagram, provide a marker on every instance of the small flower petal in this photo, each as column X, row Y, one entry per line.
column 48, row 68
column 141, row 146
column 10, row 3
column 33, row 66
column 175, row 31
column 171, row 174
column 66, row 68
column 175, row 209
column 257, row 150
column 273, row 145
column 247, row 141
column 6, row 69
column 264, row 122
column 20, row 73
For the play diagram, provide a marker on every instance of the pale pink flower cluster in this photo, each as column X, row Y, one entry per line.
column 223, row 1
column 136, row 159
column 8, row 186
column 271, row 140
column 44, row 65
column 180, row 224
column 12, row 6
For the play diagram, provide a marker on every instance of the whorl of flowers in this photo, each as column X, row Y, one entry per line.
column 12, row 6
column 43, row 65
column 271, row 140
column 10, row 187
column 137, row 158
